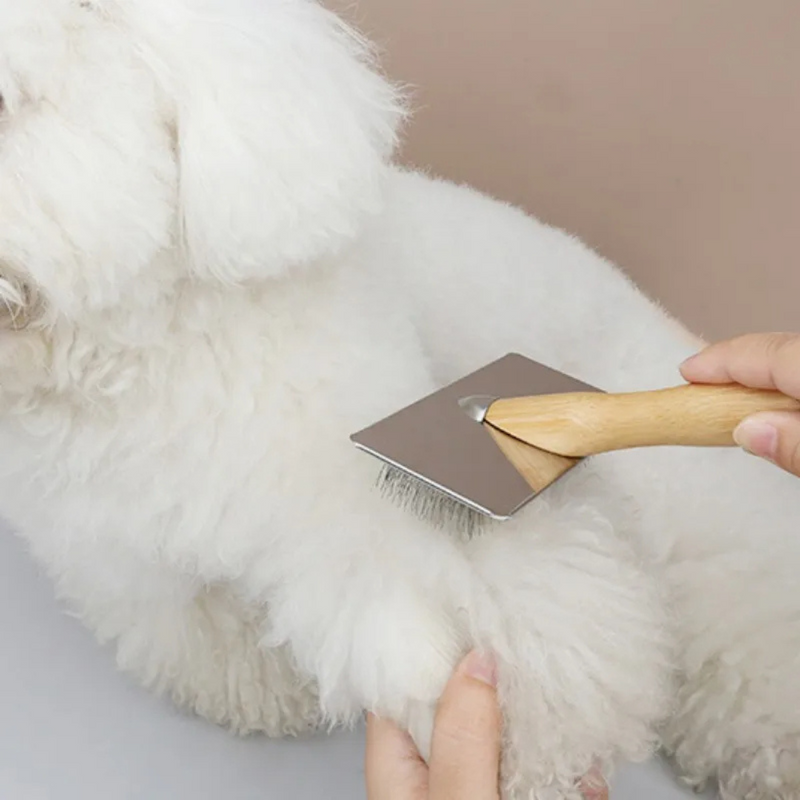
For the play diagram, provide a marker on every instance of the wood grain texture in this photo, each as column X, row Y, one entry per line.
column 538, row 467
column 583, row 424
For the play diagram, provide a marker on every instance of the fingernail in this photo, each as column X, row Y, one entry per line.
column 481, row 666
column 594, row 786
column 689, row 360
column 758, row 437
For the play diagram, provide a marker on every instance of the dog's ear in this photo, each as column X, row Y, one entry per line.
column 283, row 128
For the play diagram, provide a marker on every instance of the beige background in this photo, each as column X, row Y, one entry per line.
column 666, row 133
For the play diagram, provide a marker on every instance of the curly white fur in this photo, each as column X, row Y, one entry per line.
column 210, row 274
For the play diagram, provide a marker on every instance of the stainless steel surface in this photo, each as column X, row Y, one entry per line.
column 434, row 441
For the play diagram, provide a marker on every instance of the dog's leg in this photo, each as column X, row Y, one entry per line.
column 585, row 648
column 199, row 646
column 370, row 611
column 380, row 607
column 584, row 651
column 723, row 527
column 733, row 574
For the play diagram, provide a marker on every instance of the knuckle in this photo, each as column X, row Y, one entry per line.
column 762, row 349
column 467, row 726
column 774, row 356
column 787, row 365
column 470, row 732
column 792, row 458
column 774, row 342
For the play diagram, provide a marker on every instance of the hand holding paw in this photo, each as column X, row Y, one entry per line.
column 465, row 752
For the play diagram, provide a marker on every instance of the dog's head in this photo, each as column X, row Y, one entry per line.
column 247, row 136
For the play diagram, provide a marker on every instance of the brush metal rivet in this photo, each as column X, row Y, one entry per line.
column 476, row 406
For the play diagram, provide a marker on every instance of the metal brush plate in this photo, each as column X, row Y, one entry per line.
column 436, row 442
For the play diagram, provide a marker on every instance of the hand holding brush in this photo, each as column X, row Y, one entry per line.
column 768, row 361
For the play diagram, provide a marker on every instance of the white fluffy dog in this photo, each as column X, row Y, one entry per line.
column 211, row 275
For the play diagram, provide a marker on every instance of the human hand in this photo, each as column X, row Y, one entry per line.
column 760, row 361
column 465, row 751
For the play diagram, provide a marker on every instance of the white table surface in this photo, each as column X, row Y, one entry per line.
column 72, row 728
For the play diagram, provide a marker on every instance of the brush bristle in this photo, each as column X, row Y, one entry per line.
column 430, row 503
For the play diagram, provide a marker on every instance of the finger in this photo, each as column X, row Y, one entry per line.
column 759, row 360
column 594, row 787
column 774, row 436
column 596, row 793
column 393, row 769
column 465, row 752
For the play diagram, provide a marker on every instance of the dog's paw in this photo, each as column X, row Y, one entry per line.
column 519, row 790
column 737, row 718
column 564, row 769
column 765, row 772
column 248, row 690
column 208, row 658
column 404, row 676
column 592, row 786
column 263, row 695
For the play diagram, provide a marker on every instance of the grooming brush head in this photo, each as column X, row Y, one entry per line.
column 440, row 509
column 443, row 463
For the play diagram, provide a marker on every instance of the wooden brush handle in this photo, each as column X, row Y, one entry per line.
column 586, row 423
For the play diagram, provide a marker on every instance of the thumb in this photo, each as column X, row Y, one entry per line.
column 465, row 753
column 774, row 436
